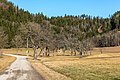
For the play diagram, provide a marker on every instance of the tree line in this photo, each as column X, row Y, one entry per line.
column 76, row 33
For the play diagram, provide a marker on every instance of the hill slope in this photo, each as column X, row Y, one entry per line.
column 61, row 32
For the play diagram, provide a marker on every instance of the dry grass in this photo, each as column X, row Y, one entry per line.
column 97, row 67
column 104, row 66
column 109, row 49
column 47, row 73
column 21, row 51
column 5, row 61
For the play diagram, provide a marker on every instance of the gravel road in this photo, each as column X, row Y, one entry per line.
column 21, row 69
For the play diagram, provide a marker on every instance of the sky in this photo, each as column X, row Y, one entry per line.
column 101, row 8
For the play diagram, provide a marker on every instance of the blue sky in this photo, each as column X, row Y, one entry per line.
column 102, row 8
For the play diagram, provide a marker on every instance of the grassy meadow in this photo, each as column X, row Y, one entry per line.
column 105, row 66
column 97, row 67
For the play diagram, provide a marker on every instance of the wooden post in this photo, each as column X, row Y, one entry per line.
column 27, row 52
column 27, row 43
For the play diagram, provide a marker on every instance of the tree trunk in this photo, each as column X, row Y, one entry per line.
column 74, row 53
column 41, row 51
column 35, row 52
column 84, row 53
column 71, row 52
column 45, row 53
column 90, row 52
column 17, row 50
column 101, row 51
column 27, row 43
column 80, row 54
column 0, row 53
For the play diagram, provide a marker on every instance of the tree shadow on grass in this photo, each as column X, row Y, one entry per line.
column 116, row 79
column 104, row 57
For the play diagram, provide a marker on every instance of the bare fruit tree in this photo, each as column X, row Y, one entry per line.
column 31, row 31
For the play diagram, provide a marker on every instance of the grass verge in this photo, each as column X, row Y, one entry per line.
column 48, row 74
column 5, row 61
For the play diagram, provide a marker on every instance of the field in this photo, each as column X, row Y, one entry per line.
column 21, row 51
column 97, row 67
column 105, row 66
column 5, row 61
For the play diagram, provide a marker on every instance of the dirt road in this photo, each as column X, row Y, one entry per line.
column 21, row 69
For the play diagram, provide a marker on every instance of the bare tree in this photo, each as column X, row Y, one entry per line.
column 31, row 30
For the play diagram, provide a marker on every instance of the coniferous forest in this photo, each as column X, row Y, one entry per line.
column 68, row 32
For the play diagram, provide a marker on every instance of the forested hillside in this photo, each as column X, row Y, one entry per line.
column 80, row 32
